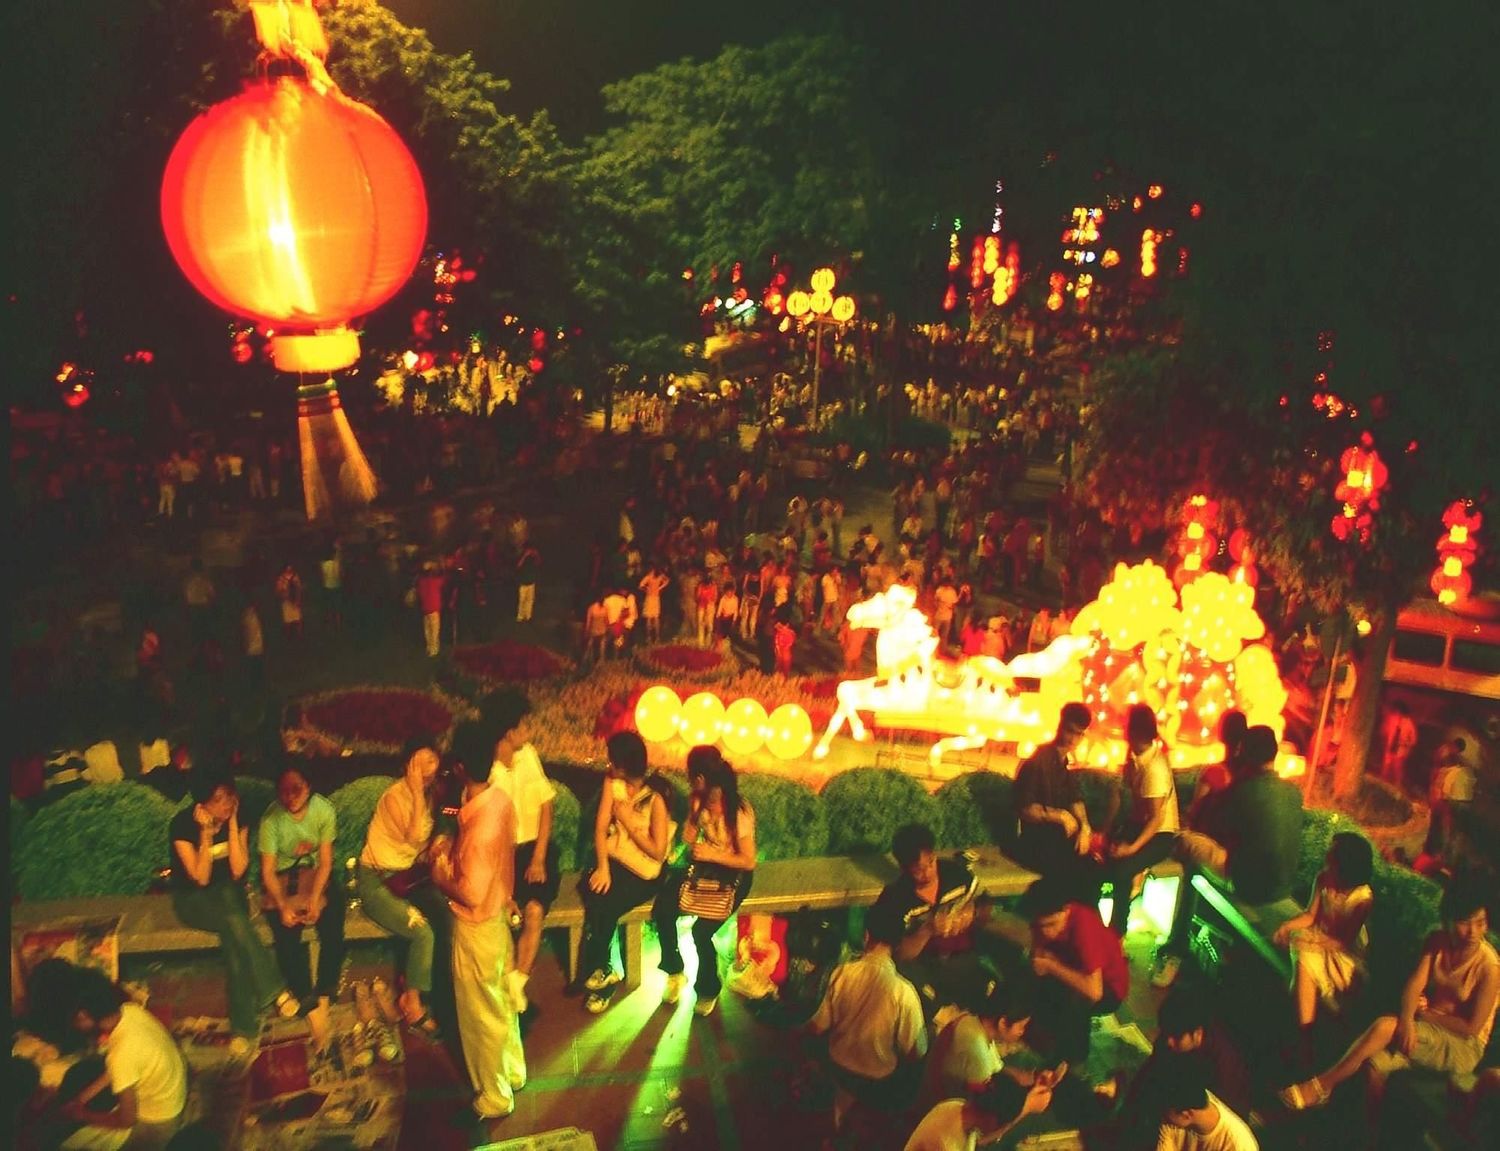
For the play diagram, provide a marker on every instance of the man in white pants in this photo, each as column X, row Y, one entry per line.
column 479, row 880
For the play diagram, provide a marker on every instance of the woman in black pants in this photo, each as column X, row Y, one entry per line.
column 720, row 836
column 631, row 837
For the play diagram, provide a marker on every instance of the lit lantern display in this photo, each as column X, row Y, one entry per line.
column 1190, row 656
column 1196, row 543
column 743, row 727
column 300, row 209
column 1364, row 476
column 1457, row 550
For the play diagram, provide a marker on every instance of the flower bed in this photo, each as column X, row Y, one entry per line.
column 375, row 720
column 675, row 660
column 491, row 665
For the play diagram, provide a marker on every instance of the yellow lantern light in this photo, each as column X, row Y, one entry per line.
column 657, row 712
column 744, row 728
column 822, row 302
column 822, row 280
column 702, row 719
column 789, row 732
column 843, row 309
column 797, row 303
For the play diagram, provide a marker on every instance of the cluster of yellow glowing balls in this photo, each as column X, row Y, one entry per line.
column 743, row 727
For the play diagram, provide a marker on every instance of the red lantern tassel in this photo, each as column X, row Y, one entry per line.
column 335, row 473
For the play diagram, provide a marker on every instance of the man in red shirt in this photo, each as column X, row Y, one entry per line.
column 1080, row 968
column 430, row 586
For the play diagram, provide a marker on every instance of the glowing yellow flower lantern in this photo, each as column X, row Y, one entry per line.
column 798, row 303
column 657, row 713
column 702, row 719
column 789, row 732
column 843, row 309
column 822, row 280
column 822, row 302
column 744, row 728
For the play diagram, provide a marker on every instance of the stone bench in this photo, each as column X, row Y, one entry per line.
column 781, row 887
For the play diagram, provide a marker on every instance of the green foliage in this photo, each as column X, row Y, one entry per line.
column 256, row 794
column 354, row 807
column 790, row 822
column 1405, row 911
column 1318, row 829
column 109, row 839
column 865, row 807
column 976, row 809
column 567, row 825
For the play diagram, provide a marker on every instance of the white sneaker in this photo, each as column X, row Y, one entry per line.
column 673, row 991
column 515, row 987
column 601, row 979
column 705, row 1006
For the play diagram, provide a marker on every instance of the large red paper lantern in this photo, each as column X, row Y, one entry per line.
column 299, row 208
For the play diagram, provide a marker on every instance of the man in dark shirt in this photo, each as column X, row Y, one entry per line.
column 1253, row 838
column 934, row 900
column 1054, row 833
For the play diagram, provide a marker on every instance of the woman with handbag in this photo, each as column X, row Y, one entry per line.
column 720, row 838
column 631, row 837
column 394, row 861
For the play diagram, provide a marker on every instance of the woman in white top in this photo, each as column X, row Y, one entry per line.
column 393, row 861
column 720, row 836
column 1150, row 829
column 1329, row 939
column 980, row 1120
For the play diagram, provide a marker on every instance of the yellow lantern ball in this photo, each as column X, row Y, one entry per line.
column 798, row 303
column 822, row 303
column 822, row 280
column 843, row 309
column 744, row 726
column 702, row 719
column 656, row 713
column 790, row 732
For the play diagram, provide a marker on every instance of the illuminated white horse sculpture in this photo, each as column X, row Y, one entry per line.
column 975, row 700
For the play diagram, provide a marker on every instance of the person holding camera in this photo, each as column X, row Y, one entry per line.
column 394, row 865
column 632, row 833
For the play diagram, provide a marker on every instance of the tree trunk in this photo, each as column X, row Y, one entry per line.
column 1364, row 707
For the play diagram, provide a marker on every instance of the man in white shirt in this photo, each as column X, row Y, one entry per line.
column 143, row 1067
column 1193, row 1118
column 873, row 1019
column 980, row 1120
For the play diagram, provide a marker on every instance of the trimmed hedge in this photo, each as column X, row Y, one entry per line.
column 790, row 823
column 567, row 825
column 19, row 818
column 865, row 806
column 976, row 809
column 101, row 840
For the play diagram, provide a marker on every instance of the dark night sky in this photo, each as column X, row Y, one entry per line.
column 559, row 53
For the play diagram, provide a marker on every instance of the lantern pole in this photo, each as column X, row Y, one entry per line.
column 1317, row 755
column 817, row 370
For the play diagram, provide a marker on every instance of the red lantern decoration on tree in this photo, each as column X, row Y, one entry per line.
column 1365, row 475
column 1456, row 550
column 293, row 205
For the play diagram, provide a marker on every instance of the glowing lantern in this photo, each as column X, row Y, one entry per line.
column 1456, row 550
column 1149, row 240
column 789, row 732
column 950, row 299
column 295, row 206
column 843, row 309
column 702, row 719
column 656, row 713
column 1055, row 283
column 823, row 280
column 798, row 303
column 744, row 728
